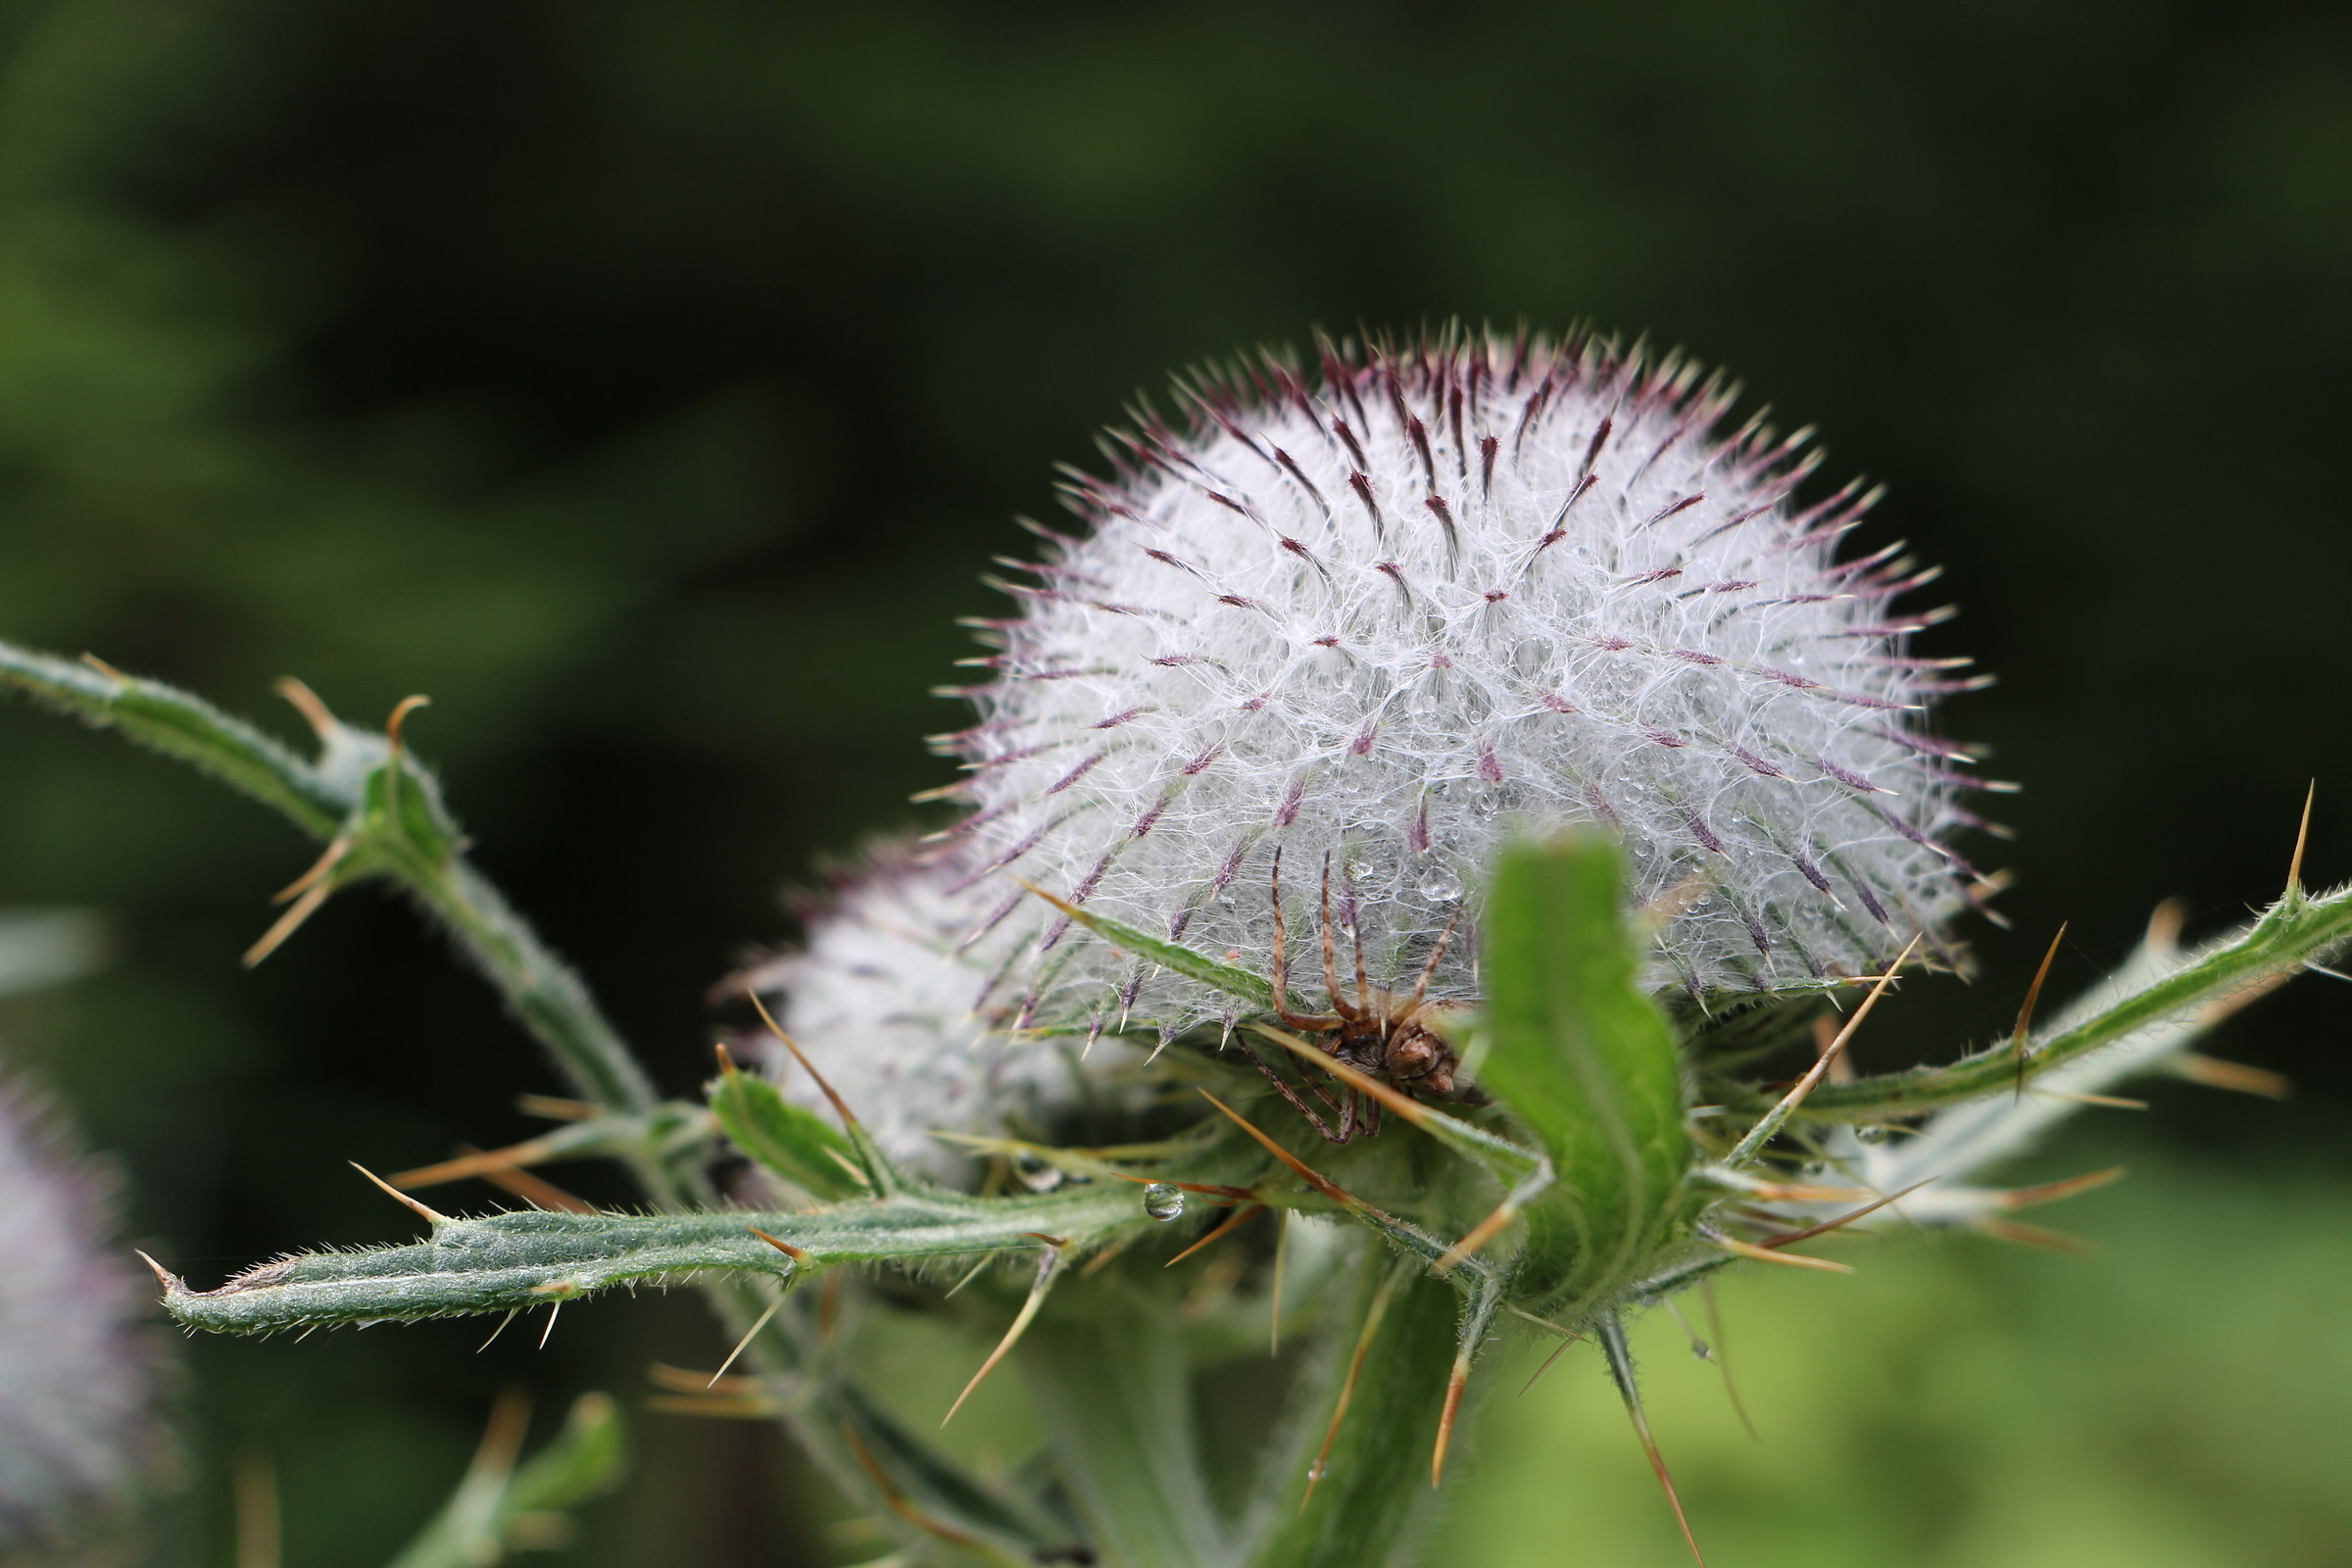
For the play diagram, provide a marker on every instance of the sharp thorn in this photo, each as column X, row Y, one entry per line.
column 474, row 1163
column 317, row 872
column 2294, row 868
column 400, row 715
column 798, row 1254
column 1282, row 1248
column 744, row 1343
column 171, row 1282
column 2025, row 1014
column 287, row 924
column 1620, row 1371
column 1321, row 1184
column 2051, row 1192
column 1786, row 1238
column 1557, row 1352
column 401, row 1197
column 2215, row 1073
column 307, row 702
column 1047, row 1266
column 1233, row 1222
column 1355, row 1366
column 1765, row 1255
column 840, row 1106
column 1455, row 1381
column 1752, row 1145
column 496, row 1332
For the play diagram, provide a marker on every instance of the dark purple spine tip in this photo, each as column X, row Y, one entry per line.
column 1700, row 831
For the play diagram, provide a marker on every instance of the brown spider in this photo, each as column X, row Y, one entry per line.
column 1376, row 1033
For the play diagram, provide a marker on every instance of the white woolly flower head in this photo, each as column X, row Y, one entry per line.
column 885, row 997
column 1384, row 617
column 76, row 1379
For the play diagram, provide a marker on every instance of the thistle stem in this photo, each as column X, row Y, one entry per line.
column 1114, row 1387
column 2296, row 930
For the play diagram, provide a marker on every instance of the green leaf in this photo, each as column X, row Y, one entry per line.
column 792, row 1141
column 1588, row 1062
column 1231, row 979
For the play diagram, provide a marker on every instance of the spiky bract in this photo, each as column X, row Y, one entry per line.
column 1438, row 593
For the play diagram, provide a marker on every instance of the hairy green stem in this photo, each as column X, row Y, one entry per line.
column 1374, row 1483
column 2298, row 929
column 367, row 795
column 1112, row 1383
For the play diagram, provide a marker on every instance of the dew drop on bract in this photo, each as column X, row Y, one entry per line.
column 1035, row 1174
column 1164, row 1201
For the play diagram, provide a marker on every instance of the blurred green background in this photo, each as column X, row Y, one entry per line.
column 649, row 382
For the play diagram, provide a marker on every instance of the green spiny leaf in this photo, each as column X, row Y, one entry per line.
column 1582, row 1055
column 792, row 1141
column 1231, row 979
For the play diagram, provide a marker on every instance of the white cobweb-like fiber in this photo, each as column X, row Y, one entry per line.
column 886, row 999
column 1435, row 596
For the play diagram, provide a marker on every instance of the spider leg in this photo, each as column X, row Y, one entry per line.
column 1355, row 935
column 1281, row 978
column 1283, row 1088
column 1331, row 961
column 1437, row 956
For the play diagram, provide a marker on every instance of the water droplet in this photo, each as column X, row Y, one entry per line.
column 1035, row 1174
column 1440, row 886
column 1164, row 1201
column 1870, row 1133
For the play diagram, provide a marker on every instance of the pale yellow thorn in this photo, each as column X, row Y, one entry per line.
column 307, row 702
column 744, row 1344
column 287, row 924
column 2294, row 868
column 1012, row 1334
column 432, row 1216
column 1404, row 1105
column 400, row 715
column 1765, row 1255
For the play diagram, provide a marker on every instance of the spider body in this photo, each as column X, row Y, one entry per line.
column 1378, row 1033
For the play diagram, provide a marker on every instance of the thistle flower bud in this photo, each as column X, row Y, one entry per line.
column 1380, row 619
column 885, row 999
column 75, row 1380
